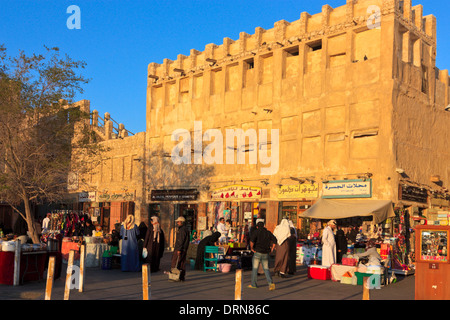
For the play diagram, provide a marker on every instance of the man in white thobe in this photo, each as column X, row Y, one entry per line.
column 222, row 228
column 329, row 245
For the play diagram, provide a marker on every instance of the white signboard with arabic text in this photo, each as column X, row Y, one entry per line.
column 347, row 189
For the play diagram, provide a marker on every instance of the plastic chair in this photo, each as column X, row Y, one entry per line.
column 211, row 255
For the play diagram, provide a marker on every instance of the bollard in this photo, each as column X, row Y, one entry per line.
column 145, row 282
column 69, row 275
column 50, row 277
column 17, row 253
column 366, row 290
column 238, row 286
column 82, row 255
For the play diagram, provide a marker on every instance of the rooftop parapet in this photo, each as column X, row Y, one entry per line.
column 353, row 14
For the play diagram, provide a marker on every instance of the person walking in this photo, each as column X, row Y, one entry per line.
column 181, row 247
column 329, row 244
column 129, row 251
column 154, row 244
column 282, row 232
column 262, row 242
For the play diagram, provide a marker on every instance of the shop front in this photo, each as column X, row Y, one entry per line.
column 111, row 208
column 241, row 204
column 169, row 204
column 293, row 201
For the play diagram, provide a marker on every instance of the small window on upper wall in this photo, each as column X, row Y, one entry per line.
column 315, row 46
column 292, row 52
column 249, row 64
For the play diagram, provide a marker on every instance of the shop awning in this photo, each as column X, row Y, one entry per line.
column 340, row 209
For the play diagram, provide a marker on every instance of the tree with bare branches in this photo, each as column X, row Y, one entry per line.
column 40, row 133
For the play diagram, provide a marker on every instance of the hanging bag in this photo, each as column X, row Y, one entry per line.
column 144, row 253
column 174, row 274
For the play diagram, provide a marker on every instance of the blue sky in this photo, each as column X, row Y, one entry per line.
column 119, row 38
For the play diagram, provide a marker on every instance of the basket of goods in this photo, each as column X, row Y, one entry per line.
column 224, row 267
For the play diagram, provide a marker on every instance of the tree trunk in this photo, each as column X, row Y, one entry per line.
column 33, row 233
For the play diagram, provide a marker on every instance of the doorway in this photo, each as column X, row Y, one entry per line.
column 189, row 212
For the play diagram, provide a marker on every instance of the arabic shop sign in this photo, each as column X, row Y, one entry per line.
column 116, row 196
column 412, row 193
column 296, row 191
column 174, row 195
column 236, row 192
column 348, row 189
column 86, row 196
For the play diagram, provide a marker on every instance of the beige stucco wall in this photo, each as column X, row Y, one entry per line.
column 333, row 107
column 118, row 168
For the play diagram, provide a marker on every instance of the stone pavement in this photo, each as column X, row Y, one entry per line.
column 200, row 286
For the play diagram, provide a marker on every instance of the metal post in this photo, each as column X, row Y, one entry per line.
column 50, row 277
column 145, row 282
column 17, row 253
column 366, row 290
column 69, row 275
column 238, row 286
column 82, row 255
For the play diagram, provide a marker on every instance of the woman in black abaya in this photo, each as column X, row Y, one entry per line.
column 154, row 243
column 207, row 241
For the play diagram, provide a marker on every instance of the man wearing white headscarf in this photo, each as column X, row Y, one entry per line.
column 282, row 232
column 329, row 245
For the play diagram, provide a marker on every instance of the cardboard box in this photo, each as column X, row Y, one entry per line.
column 360, row 277
column 319, row 272
column 347, row 280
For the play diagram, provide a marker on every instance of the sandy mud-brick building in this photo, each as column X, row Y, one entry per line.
column 353, row 93
column 111, row 187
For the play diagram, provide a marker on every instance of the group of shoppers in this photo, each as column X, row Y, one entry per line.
column 152, row 246
column 262, row 243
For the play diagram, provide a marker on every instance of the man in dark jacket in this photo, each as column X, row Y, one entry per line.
column 181, row 247
column 262, row 242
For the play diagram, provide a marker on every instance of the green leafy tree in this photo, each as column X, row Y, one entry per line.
column 42, row 136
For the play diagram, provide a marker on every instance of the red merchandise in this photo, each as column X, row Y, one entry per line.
column 66, row 247
column 319, row 272
column 349, row 261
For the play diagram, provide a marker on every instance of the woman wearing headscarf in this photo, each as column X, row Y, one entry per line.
column 282, row 232
column 154, row 243
column 129, row 232
column 207, row 241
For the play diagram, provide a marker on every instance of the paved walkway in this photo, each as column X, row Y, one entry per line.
column 200, row 286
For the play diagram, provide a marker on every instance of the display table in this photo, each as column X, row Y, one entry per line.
column 94, row 254
column 32, row 266
column 338, row 270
